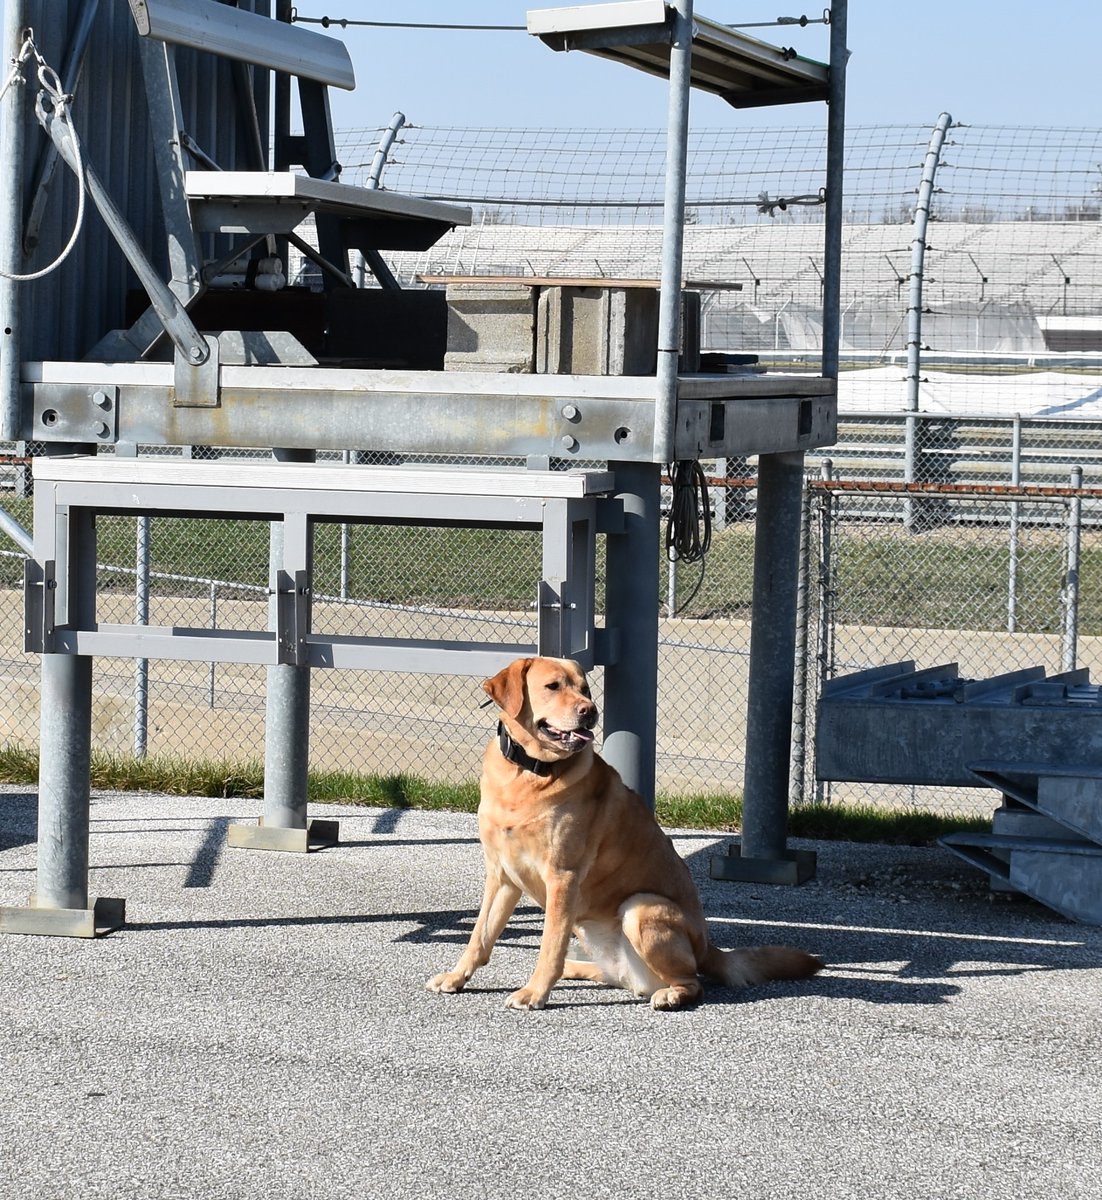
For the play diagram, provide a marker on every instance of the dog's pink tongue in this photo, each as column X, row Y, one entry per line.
column 583, row 735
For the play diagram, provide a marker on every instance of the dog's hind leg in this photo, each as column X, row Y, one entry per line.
column 576, row 968
column 499, row 900
column 657, row 931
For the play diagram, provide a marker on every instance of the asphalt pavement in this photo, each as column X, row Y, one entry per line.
column 259, row 1028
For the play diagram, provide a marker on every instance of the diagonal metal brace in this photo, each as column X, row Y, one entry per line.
column 170, row 312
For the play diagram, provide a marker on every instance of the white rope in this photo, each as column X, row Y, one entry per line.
column 51, row 90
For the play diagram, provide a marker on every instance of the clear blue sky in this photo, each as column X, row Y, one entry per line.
column 989, row 62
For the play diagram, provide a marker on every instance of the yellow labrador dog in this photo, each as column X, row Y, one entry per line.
column 559, row 824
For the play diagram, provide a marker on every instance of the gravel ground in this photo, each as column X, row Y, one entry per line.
column 259, row 1028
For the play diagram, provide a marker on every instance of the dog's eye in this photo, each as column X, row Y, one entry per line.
column 584, row 689
column 552, row 687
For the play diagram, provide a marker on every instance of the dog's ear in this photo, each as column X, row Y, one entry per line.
column 506, row 689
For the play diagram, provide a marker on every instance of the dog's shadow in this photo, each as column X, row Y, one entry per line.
column 519, row 942
column 569, row 993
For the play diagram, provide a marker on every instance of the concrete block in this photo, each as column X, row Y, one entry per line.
column 597, row 331
column 491, row 327
column 562, row 329
column 608, row 331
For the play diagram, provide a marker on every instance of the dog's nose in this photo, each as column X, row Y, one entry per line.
column 587, row 712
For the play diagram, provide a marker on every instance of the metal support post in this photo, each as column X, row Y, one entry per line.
column 631, row 615
column 673, row 229
column 763, row 857
column 60, row 904
column 13, row 107
column 65, row 755
column 832, row 222
column 283, row 824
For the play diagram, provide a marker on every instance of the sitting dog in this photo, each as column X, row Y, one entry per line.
column 558, row 824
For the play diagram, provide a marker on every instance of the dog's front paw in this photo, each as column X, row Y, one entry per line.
column 526, row 999
column 448, row 981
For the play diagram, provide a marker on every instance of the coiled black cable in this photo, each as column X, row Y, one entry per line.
column 689, row 528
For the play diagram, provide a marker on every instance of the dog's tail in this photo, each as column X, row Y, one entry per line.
column 758, row 964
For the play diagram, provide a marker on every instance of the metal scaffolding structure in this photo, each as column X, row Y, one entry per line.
column 185, row 364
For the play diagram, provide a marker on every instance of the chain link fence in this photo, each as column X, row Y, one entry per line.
column 927, row 536
column 979, row 577
column 993, row 580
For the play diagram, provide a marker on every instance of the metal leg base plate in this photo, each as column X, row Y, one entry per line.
column 295, row 841
column 792, row 867
column 105, row 914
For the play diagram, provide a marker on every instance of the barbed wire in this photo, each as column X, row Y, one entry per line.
column 988, row 173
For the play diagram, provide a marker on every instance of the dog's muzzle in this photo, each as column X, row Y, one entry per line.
column 569, row 739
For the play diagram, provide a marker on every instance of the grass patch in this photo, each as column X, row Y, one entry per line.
column 699, row 812
column 865, row 823
column 949, row 578
column 714, row 812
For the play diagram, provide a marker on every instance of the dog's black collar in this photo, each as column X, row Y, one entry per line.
column 515, row 754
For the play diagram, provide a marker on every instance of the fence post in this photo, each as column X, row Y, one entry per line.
column 798, row 771
column 141, row 616
column 1012, row 565
column 1071, row 580
column 346, row 458
column 213, row 609
column 914, row 306
column 825, row 649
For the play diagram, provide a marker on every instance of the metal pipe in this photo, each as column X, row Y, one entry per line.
column 918, row 257
column 13, row 109
column 1012, row 565
column 832, row 217
column 213, row 611
column 772, row 655
column 914, row 300
column 19, row 535
column 65, row 730
column 141, row 616
column 287, row 721
column 673, row 231
column 382, row 151
column 825, row 650
column 798, row 770
column 64, row 786
column 1071, row 583
column 631, row 607
column 345, row 573
column 996, row 491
